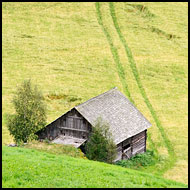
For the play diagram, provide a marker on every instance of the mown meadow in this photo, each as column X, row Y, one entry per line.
column 75, row 51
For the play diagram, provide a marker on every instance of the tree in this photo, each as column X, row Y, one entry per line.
column 100, row 145
column 30, row 113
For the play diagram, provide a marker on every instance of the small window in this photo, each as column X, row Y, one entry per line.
column 83, row 136
column 126, row 146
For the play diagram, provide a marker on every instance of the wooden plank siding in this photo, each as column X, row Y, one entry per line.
column 70, row 124
column 132, row 146
column 138, row 143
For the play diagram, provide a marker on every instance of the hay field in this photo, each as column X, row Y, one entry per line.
column 74, row 51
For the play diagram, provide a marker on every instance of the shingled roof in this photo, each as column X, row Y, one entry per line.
column 124, row 119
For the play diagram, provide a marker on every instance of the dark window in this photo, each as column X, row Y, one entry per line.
column 126, row 146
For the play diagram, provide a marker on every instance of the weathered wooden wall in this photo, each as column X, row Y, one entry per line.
column 74, row 124
column 138, row 143
column 70, row 124
column 132, row 146
column 51, row 131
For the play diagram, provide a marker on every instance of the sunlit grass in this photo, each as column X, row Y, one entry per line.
column 30, row 168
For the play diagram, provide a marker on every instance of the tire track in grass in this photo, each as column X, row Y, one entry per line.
column 117, row 62
column 172, row 156
column 115, row 54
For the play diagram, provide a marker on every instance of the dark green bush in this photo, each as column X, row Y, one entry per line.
column 100, row 145
column 140, row 160
column 30, row 113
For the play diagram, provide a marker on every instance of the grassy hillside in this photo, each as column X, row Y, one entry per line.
column 75, row 51
column 30, row 168
column 53, row 148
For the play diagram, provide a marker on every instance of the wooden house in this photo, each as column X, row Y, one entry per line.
column 127, row 124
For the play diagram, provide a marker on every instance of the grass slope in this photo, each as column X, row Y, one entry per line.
column 55, row 149
column 30, row 168
column 75, row 51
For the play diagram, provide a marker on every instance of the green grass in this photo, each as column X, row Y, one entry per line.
column 74, row 51
column 140, row 161
column 30, row 168
column 55, row 149
column 115, row 55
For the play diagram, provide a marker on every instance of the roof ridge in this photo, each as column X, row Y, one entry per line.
column 115, row 88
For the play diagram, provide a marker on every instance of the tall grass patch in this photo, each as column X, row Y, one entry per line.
column 140, row 160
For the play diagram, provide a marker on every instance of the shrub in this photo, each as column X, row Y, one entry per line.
column 140, row 160
column 100, row 145
column 30, row 113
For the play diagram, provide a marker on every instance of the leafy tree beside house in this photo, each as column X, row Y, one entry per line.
column 30, row 113
column 100, row 145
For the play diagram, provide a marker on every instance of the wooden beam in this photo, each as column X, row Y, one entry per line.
column 145, row 139
column 139, row 140
column 75, row 117
column 73, row 129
